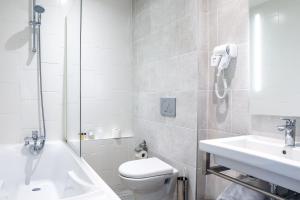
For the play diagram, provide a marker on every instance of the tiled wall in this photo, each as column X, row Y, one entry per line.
column 202, row 92
column 107, row 66
column 18, row 72
column 227, row 23
column 166, row 46
column 107, row 85
column 267, row 126
column 172, row 42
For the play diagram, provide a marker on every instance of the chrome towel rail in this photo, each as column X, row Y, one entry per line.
column 216, row 170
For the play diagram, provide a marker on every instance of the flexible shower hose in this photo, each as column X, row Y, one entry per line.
column 39, row 59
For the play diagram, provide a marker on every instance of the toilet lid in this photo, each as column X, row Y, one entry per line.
column 145, row 168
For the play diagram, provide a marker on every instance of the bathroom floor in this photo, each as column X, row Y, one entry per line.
column 124, row 194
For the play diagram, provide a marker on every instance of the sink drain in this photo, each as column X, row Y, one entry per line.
column 36, row 189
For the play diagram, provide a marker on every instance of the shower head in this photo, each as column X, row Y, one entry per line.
column 39, row 9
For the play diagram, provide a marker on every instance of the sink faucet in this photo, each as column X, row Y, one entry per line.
column 36, row 142
column 290, row 131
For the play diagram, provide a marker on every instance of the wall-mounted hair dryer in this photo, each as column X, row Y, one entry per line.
column 220, row 59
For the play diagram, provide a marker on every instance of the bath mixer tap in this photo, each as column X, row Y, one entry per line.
column 290, row 131
column 36, row 142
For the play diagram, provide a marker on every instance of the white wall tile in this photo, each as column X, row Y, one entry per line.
column 107, row 68
column 9, row 124
column 14, row 6
column 53, row 106
column 55, row 129
column 9, row 67
column 18, row 75
column 9, row 98
column 29, row 116
column 52, row 52
column 52, row 77
column 29, row 84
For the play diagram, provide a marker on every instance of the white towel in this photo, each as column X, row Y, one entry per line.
column 238, row 192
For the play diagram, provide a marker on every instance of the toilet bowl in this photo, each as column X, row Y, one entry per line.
column 149, row 179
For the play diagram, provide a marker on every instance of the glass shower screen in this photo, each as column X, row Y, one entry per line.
column 73, row 77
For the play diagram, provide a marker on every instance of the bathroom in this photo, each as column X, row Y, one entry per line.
column 149, row 100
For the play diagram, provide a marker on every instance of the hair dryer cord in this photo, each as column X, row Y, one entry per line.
column 225, row 87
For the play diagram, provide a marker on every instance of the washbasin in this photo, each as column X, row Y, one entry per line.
column 265, row 158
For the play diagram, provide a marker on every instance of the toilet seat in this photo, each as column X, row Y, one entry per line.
column 145, row 168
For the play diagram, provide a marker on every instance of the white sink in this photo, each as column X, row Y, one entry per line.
column 265, row 158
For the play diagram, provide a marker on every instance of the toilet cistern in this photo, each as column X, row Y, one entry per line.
column 290, row 131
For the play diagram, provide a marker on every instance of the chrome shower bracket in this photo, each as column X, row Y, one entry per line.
column 33, row 24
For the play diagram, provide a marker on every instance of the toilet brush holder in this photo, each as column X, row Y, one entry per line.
column 182, row 188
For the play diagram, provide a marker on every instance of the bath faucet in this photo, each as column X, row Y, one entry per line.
column 290, row 131
column 35, row 142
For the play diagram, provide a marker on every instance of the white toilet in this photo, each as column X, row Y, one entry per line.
column 149, row 179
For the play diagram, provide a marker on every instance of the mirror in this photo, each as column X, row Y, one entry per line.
column 274, row 57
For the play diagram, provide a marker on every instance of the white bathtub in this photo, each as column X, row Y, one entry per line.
column 57, row 173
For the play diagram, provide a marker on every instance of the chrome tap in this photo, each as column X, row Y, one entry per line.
column 35, row 142
column 290, row 131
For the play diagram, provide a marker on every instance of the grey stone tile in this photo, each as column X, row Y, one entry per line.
column 203, row 5
column 142, row 24
column 201, row 183
column 187, row 72
column 267, row 125
column 186, row 34
column 202, row 109
column 190, row 172
column 212, row 29
column 184, row 148
column 139, row 6
column 240, row 112
column 233, row 22
column 186, row 109
column 203, row 31
column 219, row 112
column 203, row 69
column 214, row 134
